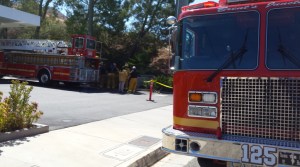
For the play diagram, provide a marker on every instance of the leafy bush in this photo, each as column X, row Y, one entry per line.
column 163, row 79
column 15, row 111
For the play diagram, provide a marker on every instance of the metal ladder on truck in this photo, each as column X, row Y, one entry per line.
column 34, row 45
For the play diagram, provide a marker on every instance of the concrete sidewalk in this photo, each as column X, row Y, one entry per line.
column 127, row 140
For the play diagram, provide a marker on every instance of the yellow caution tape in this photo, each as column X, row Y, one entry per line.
column 160, row 84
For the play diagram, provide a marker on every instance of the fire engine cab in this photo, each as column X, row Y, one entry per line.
column 49, row 60
column 236, row 83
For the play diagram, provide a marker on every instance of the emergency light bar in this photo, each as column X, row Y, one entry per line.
column 223, row 2
column 236, row 1
column 207, row 4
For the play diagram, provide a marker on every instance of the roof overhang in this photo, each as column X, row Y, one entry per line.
column 10, row 17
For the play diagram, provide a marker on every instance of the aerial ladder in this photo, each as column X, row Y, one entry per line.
column 34, row 45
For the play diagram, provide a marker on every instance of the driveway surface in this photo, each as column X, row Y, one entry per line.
column 65, row 107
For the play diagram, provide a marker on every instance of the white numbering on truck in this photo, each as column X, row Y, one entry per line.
column 259, row 155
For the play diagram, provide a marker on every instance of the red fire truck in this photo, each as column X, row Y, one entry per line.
column 50, row 61
column 237, row 83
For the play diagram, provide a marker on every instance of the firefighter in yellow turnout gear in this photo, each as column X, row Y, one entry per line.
column 132, row 80
column 123, row 75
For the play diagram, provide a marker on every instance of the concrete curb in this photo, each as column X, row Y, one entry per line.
column 150, row 159
column 35, row 130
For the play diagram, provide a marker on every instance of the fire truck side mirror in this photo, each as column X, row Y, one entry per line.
column 171, row 20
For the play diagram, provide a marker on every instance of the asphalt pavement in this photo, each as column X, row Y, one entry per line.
column 65, row 106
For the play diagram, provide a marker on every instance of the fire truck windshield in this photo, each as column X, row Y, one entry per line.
column 91, row 44
column 209, row 41
column 79, row 42
column 283, row 36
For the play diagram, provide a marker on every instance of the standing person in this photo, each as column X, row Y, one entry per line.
column 123, row 75
column 111, row 76
column 102, row 75
column 126, row 67
column 132, row 80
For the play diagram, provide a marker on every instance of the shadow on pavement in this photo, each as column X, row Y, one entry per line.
column 13, row 143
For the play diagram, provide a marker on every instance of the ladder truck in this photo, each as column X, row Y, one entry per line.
column 51, row 61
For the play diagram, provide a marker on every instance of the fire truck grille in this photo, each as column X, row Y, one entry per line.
column 266, row 108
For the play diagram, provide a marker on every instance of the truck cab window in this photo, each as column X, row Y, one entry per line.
column 189, row 47
column 91, row 44
column 79, row 42
column 283, row 35
column 210, row 40
column 189, row 44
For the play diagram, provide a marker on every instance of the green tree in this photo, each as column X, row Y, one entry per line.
column 90, row 15
column 43, row 7
column 85, row 16
column 129, row 30
column 146, row 15
column 54, row 28
column 77, row 16
column 143, row 31
column 108, row 23
column 110, row 18
column 40, row 8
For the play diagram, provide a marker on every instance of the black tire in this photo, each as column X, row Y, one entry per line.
column 44, row 78
column 204, row 162
column 1, row 76
column 54, row 83
column 72, row 84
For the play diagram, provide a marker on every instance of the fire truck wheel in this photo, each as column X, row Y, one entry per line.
column 203, row 162
column 44, row 78
column 71, row 84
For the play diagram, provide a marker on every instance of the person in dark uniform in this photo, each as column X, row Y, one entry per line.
column 102, row 75
column 111, row 76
